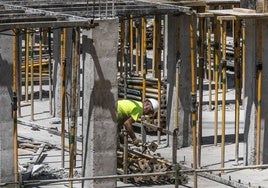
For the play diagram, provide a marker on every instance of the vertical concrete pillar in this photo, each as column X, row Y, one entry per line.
column 250, row 93
column 6, row 120
column 172, row 55
column 99, row 54
column 264, row 119
column 185, row 128
column 57, row 73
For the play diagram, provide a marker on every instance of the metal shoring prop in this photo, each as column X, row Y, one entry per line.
column 209, row 28
column 259, row 93
column 243, row 61
column 14, row 102
column 224, row 80
column 137, row 39
column 19, row 72
column 26, row 80
column 32, row 76
column 143, row 56
column 200, row 85
column 243, row 22
column 216, row 70
column 193, row 93
column 237, row 82
column 157, row 67
column 50, row 70
column 40, row 62
column 144, row 71
column 74, row 103
column 131, row 43
column 63, row 94
column 126, row 53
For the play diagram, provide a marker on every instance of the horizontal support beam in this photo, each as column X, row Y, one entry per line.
column 28, row 19
column 179, row 9
column 51, row 24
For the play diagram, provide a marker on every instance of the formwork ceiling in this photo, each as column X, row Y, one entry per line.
column 81, row 10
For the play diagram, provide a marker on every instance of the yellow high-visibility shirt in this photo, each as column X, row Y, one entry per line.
column 128, row 108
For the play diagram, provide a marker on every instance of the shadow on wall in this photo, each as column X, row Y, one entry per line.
column 101, row 95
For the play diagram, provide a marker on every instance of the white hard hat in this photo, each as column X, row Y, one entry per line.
column 154, row 104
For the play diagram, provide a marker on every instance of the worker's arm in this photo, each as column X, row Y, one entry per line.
column 129, row 128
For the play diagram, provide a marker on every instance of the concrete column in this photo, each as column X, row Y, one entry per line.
column 172, row 25
column 264, row 119
column 6, row 120
column 185, row 128
column 57, row 73
column 99, row 51
column 250, row 93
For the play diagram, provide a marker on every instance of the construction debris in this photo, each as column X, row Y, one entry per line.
column 145, row 162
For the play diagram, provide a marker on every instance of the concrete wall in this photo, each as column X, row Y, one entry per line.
column 6, row 120
column 99, row 48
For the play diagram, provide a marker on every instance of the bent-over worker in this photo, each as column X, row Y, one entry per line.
column 130, row 110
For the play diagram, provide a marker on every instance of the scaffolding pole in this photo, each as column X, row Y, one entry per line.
column 224, row 81
column 157, row 66
column 32, row 76
column 63, row 94
column 243, row 61
column 15, row 88
column 40, row 62
column 237, row 84
column 200, row 85
column 137, row 39
column 216, row 70
column 143, row 57
column 74, row 104
column 50, row 70
column 193, row 94
column 26, row 80
column 259, row 93
column 131, row 43
column 209, row 26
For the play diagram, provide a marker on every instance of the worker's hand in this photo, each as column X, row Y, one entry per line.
column 137, row 142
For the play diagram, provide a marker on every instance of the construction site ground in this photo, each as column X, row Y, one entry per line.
column 44, row 128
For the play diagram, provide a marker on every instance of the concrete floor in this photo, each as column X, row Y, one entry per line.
column 211, row 155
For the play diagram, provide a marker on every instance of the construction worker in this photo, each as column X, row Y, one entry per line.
column 130, row 110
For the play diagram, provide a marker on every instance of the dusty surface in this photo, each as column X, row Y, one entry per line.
column 50, row 167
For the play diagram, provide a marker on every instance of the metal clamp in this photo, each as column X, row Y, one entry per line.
column 14, row 102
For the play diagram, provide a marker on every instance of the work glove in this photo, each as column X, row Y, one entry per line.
column 137, row 142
